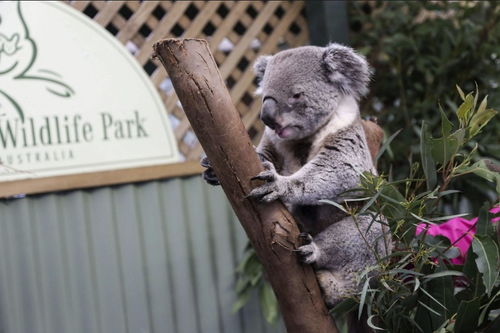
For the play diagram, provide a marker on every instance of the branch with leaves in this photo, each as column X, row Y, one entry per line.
column 418, row 289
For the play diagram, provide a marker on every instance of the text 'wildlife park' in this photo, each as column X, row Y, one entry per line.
column 69, row 129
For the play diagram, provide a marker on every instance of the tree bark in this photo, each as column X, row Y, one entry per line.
column 270, row 227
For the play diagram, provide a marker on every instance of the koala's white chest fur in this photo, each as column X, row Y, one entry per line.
column 347, row 112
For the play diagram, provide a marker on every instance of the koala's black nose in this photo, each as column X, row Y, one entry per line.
column 268, row 113
column 268, row 121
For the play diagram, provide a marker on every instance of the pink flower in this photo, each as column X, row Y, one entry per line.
column 459, row 231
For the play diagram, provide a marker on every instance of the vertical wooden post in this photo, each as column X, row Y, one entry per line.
column 270, row 227
column 327, row 22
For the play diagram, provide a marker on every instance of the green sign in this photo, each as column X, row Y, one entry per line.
column 72, row 98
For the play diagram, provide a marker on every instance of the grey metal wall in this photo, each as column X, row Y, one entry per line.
column 152, row 257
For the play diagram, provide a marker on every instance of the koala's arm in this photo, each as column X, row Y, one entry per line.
column 335, row 169
column 268, row 153
column 326, row 176
column 264, row 151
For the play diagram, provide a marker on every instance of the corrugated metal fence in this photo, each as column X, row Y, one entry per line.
column 151, row 257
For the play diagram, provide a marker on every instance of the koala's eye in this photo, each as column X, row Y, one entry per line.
column 297, row 95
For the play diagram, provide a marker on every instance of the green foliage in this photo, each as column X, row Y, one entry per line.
column 419, row 49
column 417, row 289
column 250, row 279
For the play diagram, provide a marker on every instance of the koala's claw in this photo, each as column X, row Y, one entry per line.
column 205, row 162
column 305, row 238
column 308, row 254
column 269, row 174
column 209, row 175
column 266, row 175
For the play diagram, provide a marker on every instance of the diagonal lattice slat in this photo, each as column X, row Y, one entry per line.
column 237, row 32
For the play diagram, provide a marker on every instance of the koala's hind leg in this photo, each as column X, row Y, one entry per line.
column 341, row 252
column 336, row 286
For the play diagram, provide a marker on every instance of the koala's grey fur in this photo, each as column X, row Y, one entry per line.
column 314, row 148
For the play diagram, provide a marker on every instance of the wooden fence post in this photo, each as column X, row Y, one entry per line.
column 270, row 227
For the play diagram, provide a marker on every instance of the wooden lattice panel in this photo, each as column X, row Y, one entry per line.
column 237, row 31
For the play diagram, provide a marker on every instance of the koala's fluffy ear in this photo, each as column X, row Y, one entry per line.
column 348, row 70
column 259, row 67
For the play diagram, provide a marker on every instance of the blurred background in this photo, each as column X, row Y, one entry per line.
column 160, row 256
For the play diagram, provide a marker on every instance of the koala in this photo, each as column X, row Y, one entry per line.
column 314, row 147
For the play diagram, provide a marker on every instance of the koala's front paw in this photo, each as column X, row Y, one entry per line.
column 209, row 174
column 273, row 189
column 309, row 253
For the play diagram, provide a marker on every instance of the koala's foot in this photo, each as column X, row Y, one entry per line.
column 336, row 287
column 305, row 238
column 209, row 174
column 309, row 253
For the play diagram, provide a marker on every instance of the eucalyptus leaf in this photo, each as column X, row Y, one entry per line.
column 268, row 303
column 333, row 203
column 483, row 223
column 479, row 120
column 485, row 310
column 427, row 161
column 241, row 300
column 363, row 297
column 429, row 308
column 443, row 149
column 343, row 307
column 479, row 168
column 452, row 252
column 369, row 203
column 460, row 92
column 386, row 144
column 253, row 267
column 447, row 192
column 446, row 125
column 484, row 103
column 476, row 286
column 467, row 316
column 448, row 217
column 417, row 284
column 370, row 323
column 441, row 274
column 241, row 266
column 242, row 284
column 433, row 298
column 465, row 109
column 486, row 250
column 440, row 285
column 476, row 95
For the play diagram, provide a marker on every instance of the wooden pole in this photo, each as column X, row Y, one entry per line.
column 270, row 227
